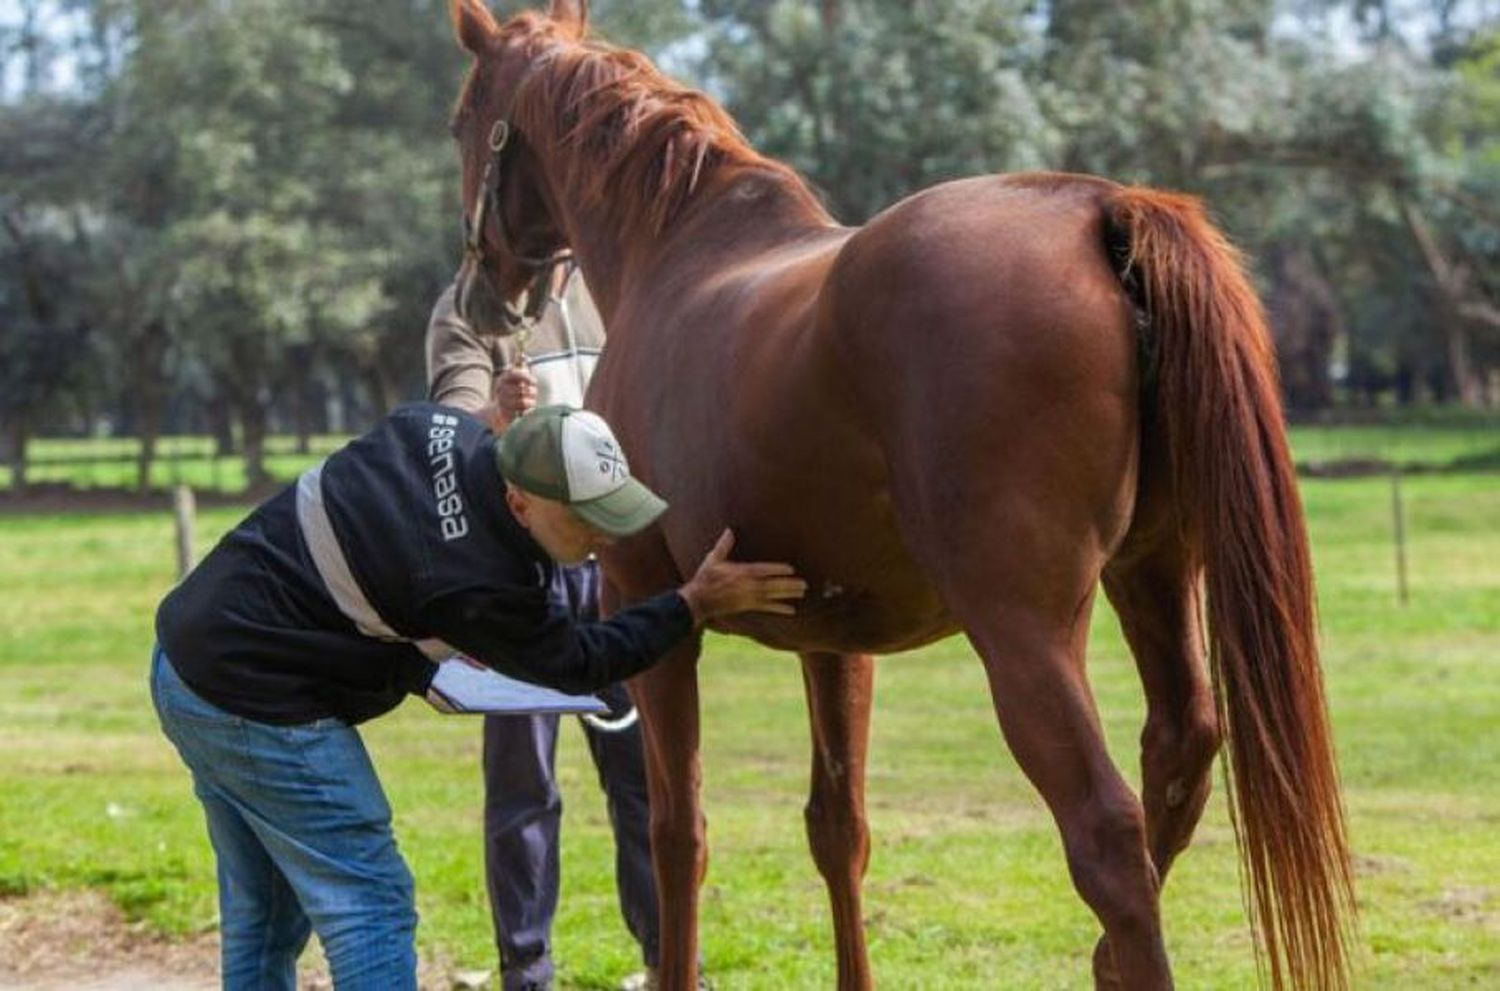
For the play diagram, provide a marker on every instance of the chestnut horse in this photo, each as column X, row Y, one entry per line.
column 960, row 417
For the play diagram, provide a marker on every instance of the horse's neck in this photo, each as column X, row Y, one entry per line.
column 737, row 213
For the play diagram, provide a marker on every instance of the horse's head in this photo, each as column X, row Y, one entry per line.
column 511, row 238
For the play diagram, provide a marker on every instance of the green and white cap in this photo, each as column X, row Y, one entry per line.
column 570, row 456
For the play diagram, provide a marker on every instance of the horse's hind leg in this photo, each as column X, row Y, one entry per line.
column 1035, row 666
column 1152, row 591
column 839, row 694
column 1154, row 599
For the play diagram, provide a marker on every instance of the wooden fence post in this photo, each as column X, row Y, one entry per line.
column 184, row 510
column 1398, row 513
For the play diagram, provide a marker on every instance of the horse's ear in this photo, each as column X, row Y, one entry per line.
column 474, row 24
column 571, row 12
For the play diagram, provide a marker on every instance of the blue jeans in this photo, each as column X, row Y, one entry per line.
column 301, row 831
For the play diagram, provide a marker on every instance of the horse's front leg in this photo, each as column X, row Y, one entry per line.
column 840, row 688
column 667, row 697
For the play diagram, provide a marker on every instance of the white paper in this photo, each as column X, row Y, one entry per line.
column 479, row 689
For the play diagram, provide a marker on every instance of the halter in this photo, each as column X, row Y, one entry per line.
column 486, row 202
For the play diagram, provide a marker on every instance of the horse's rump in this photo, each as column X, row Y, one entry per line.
column 992, row 348
column 968, row 358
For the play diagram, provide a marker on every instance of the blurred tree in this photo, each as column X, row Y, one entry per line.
column 204, row 115
column 291, row 191
column 1162, row 91
column 244, row 209
column 43, row 336
column 1455, row 219
column 1306, row 138
column 1306, row 312
column 654, row 26
column 876, row 98
column 389, row 182
column 1400, row 127
column 47, row 137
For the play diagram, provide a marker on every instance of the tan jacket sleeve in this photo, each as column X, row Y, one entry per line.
column 461, row 366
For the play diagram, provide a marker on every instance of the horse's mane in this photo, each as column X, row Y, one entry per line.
column 647, row 142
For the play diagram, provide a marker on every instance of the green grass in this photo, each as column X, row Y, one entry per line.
column 967, row 887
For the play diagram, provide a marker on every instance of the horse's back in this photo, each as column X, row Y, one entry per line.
column 1007, row 273
column 993, row 250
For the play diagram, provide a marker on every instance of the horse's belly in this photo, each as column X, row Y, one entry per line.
column 843, row 619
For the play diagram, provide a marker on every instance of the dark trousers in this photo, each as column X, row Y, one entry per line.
column 523, row 812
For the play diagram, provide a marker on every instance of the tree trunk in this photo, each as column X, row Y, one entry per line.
column 253, row 422
column 149, row 427
column 298, row 365
column 382, row 388
column 221, row 423
column 1406, row 383
column 149, row 376
column 832, row 12
column 1466, row 385
column 1454, row 294
column 1306, row 321
column 20, row 438
column 304, row 430
column 302, row 415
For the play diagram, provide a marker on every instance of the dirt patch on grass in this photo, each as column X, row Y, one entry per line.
column 1376, row 865
column 80, row 941
column 1469, row 906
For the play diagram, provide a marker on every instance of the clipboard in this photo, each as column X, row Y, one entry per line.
column 459, row 687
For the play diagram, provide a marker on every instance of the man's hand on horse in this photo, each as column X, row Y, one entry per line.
column 515, row 391
column 722, row 587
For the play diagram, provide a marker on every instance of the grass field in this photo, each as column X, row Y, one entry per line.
column 967, row 888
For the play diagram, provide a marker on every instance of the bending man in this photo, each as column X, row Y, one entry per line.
column 325, row 607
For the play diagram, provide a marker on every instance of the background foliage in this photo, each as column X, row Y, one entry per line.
column 231, row 217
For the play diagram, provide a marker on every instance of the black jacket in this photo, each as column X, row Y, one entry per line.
column 418, row 513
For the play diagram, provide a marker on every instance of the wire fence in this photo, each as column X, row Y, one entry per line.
column 90, row 464
column 1472, row 445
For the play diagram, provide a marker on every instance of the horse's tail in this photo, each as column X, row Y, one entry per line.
column 1209, row 373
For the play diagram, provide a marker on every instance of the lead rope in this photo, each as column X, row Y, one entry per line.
column 613, row 725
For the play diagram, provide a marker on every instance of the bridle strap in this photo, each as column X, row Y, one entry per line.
column 487, row 201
